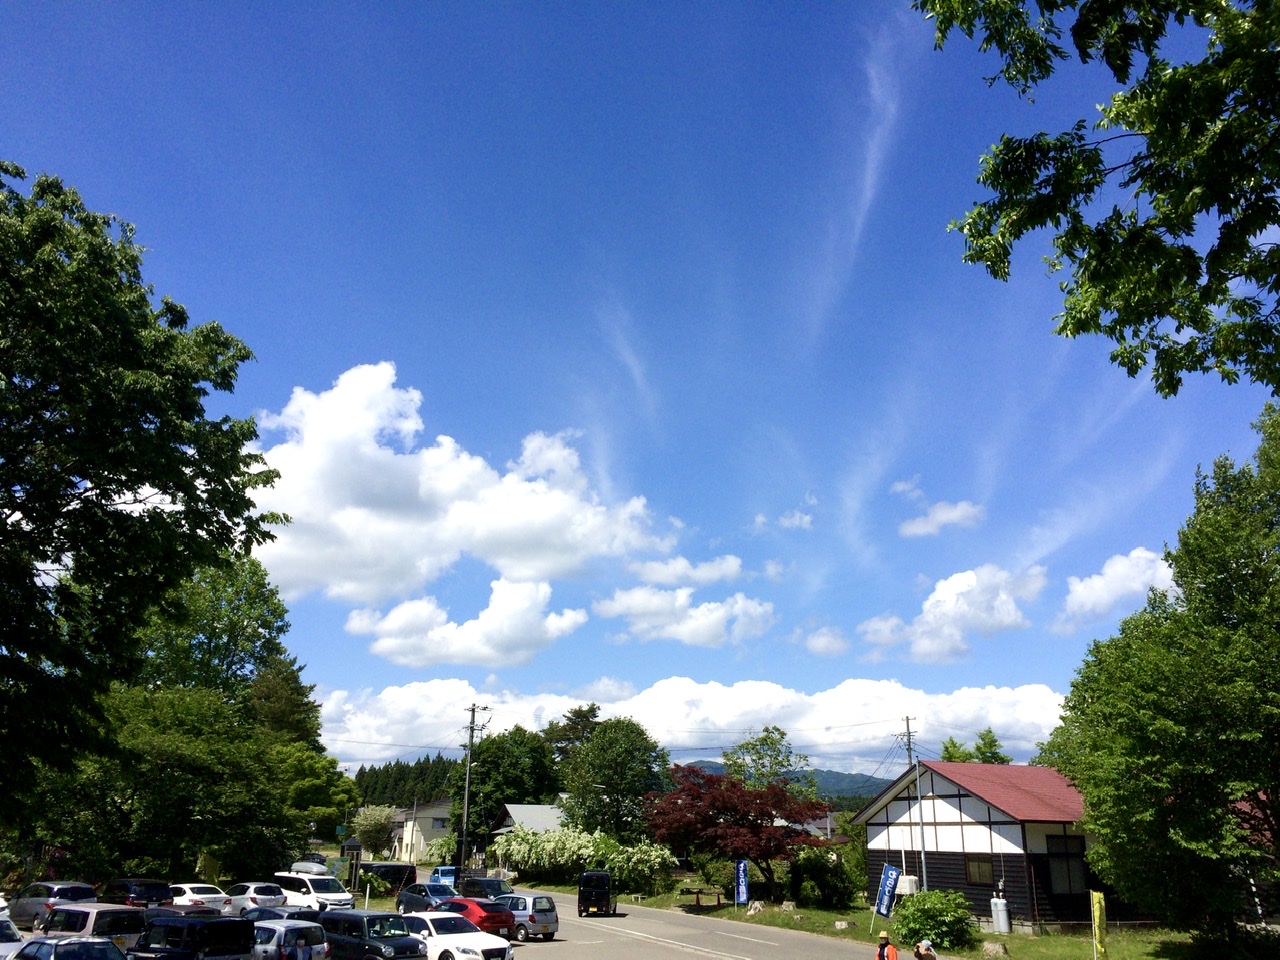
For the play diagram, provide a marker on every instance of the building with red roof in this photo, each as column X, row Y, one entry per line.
column 987, row 830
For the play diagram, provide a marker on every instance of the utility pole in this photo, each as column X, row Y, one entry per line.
column 924, row 871
column 466, row 790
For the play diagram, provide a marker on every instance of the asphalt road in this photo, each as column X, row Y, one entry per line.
column 640, row 933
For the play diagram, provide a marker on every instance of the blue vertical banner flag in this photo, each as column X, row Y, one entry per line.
column 740, row 883
column 888, row 886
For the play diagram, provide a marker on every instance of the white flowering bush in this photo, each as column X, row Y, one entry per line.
column 440, row 850
column 560, row 855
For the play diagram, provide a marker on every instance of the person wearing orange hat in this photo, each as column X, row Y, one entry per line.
column 886, row 950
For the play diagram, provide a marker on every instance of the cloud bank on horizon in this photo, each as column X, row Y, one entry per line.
column 381, row 520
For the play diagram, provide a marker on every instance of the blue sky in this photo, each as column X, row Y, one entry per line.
column 620, row 353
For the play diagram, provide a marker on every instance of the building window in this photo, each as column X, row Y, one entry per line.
column 439, row 823
column 1066, row 865
column 977, row 870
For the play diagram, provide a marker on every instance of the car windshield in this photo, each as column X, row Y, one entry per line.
column 9, row 933
column 73, row 893
column 453, row 924
column 268, row 890
column 204, row 891
column 327, row 885
column 385, row 928
column 415, row 924
column 441, row 890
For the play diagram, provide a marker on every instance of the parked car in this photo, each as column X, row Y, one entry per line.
column 135, row 892
column 451, row 935
column 10, row 937
column 195, row 938
column 33, row 902
column 118, row 923
column 595, row 893
column 200, row 895
column 258, row 914
column 489, row 915
column 396, row 875
column 483, row 887
column 317, row 891
column 444, row 874
column 357, row 934
column 246, row 896
column 535, row 915
column 289, row 940
column 418, row 897
column 69, row 948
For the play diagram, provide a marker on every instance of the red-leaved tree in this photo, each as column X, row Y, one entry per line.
column 719, row 815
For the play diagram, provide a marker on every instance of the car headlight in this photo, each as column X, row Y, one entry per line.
column 387, row 950
column 422, row 948
column 469, row 951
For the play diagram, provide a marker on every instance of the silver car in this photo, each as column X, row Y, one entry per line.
column 289, row 940
column 33, row 902
column 10, row 937
column 535, row 915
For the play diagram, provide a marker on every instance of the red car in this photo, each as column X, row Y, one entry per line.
column 489, row 915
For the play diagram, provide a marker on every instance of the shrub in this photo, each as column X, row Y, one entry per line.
column 822, row 877
column 938, row 915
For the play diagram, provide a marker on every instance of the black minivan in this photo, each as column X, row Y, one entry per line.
column 195, row 938
column 356, row 934
column 595, row 893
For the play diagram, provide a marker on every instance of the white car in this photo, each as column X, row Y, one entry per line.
column 10, row 937
column 246, row 896
column 200, row 895
column 450, row 936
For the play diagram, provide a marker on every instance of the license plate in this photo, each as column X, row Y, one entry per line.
column 503, row 932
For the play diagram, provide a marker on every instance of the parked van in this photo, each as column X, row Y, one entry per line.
column 317, row 891
column 595, row 893
column 113, row 920
column 195, row 938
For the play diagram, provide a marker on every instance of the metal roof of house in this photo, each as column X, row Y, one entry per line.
column 535, row 816
column 1029, row 794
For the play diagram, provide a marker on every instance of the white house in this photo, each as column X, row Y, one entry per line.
column 985, row 828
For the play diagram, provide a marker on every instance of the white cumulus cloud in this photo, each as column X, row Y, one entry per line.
column 375, row 516
column 678, row 570
column 511, row 629
column 983, row 600
column 1123, row 577
column 942, row 514
column 654, row 614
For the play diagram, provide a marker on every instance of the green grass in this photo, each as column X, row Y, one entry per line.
column 1144, row 944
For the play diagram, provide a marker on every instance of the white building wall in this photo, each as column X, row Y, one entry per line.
column 951, row 823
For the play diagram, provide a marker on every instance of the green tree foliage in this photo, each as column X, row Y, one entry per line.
column 953, row 751
column 281, row 706
column 511, row 767
column 373, row 827
column 1165, row 216
column 401, row 784
column 574, row 730
column 608, row 777
column 216, row 629
column 826, row 877
column 183, row 784
column 768, row 758
column 986, row 749
column 1171, row 729
column 707, row 813
column 942, row 916
column 114, row 484
column 316, row 795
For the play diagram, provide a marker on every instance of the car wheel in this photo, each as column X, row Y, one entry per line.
column 548, row 936
column 445, row 955
column 580, row 911
column 522, row 933
column 400, row 908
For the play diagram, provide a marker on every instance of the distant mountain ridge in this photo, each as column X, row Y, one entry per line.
column 831, row 783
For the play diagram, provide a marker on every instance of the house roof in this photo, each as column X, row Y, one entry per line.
column 535, row 816
column 1029, row 794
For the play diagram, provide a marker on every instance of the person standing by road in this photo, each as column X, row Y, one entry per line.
column 924, row 951
column 886, row 950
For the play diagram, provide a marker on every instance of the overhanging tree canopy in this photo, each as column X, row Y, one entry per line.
column 114, row 483
column 1165, row 216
